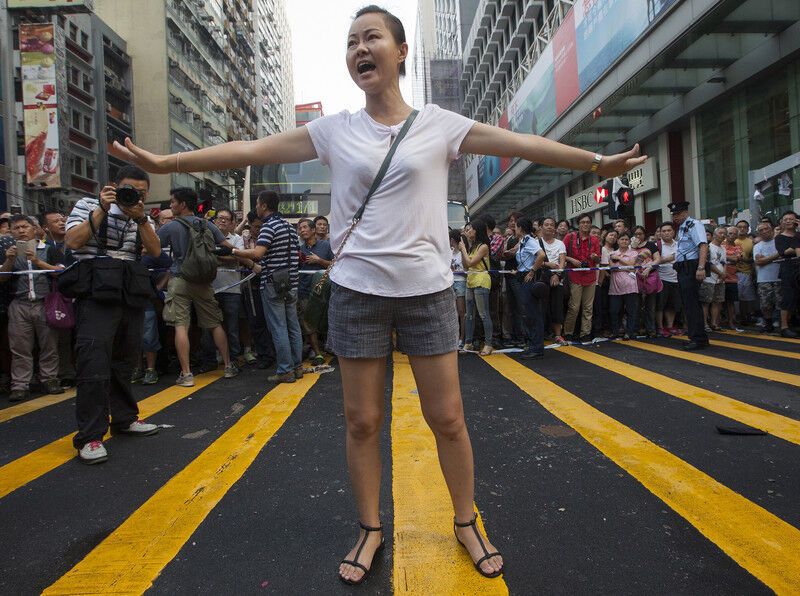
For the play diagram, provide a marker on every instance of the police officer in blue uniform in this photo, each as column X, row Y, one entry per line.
column 690, row 264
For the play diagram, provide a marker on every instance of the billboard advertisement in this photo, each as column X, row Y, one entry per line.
column 84, row 4
column 565, row 64
column 40, row 105
column 603, row 30
column 533, row 108
column 491, row 167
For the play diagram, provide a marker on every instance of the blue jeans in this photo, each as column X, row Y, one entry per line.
column 532, row 317
column 281, row 314
column 230, row 305
column 259, row 332
column 150, row 342
column 478, row 297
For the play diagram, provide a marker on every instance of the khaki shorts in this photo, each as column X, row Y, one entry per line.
column 182, row 295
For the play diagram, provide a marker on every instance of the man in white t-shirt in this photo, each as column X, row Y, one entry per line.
column 556, row 253
column 767, row 274
column 669, row 298
column 712, row 290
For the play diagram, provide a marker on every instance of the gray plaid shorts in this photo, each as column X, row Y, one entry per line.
column 360, row 325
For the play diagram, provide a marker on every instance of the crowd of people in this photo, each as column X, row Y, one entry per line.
column 516, row 287
column 211, row 297
column 528, row 281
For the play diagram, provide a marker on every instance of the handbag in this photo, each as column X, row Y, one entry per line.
column 316, row 313
column 58, row 310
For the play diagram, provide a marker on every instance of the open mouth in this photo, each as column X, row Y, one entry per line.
column 364, row 67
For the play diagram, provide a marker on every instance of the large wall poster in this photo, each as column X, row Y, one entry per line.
column 40, row 105
column 533, row 108
column 604, row 29
column 565, row 64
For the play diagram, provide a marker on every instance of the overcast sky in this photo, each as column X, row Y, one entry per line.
column 319, row 39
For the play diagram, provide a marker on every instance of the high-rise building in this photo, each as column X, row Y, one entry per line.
column 436, row 65
column 274, row 67
column 306, row 112
column 209, row 65
column 77, row 97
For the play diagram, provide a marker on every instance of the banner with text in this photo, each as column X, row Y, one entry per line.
column 40, row 105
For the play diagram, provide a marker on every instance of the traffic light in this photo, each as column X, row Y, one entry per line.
column 618, row 196
column 206, row 203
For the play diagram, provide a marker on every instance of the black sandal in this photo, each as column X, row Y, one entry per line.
column 486, row 553
column 355, row 562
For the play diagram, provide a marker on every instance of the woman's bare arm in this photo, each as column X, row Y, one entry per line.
column 291, row 146
column 484, row 139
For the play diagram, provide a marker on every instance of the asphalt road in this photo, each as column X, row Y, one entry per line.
column 599, row 469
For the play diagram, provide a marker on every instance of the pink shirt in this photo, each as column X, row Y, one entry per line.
column 623, row 282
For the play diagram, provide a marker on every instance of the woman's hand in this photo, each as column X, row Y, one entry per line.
column 461, row 246
column 620, row 163
column 149, row 162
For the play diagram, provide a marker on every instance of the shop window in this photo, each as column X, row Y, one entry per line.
column 768, row 122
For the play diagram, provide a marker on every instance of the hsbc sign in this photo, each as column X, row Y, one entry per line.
column 642, row 179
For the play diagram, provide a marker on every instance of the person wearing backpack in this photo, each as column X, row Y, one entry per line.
column 194, row 243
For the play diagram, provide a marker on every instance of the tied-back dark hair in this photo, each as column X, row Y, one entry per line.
column 526, row 225
column 394, row 24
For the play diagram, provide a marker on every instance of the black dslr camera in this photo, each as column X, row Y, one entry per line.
column 128, row 196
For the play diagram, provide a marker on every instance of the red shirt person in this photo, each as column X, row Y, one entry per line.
column 583, row 250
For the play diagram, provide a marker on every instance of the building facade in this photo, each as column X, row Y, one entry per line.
column 708, row 88
column 88, row 94
column 275, row 74
column 436, row 67
column 306, row 112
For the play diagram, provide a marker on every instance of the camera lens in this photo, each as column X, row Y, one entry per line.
column 127, row 196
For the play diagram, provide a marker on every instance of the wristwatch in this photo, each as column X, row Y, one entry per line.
column 141, row 221
column 596, row 162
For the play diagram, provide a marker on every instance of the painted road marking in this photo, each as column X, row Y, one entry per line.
column 747, row 348
column 764, row 336
column 731, row 365
column 29, row 467
column 32, row 405
column 427, row 557
column 762, row 543
column 132, row 556
column 787, row 429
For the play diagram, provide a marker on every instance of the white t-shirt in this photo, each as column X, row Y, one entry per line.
column 401, row 247
column 227, row 278
column 765, row 273
column 717, row 258
column 666, row 271
column 553, row 250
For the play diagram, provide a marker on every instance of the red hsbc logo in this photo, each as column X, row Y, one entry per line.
column 600, row 194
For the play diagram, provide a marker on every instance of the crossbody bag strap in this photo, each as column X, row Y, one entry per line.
column 100, row 235
column 375, row 184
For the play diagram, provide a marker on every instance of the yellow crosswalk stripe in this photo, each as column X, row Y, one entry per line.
column 32, row 405
column 130, row 559
column 747, row 348
column 732, row 365
column 786, row 340
column 427, row 558
column 787, row 429
column 763, row 544
column 29, row 467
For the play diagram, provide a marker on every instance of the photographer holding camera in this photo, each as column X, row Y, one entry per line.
column 111, row 288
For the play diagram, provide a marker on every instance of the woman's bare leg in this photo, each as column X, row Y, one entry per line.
column 363, row 382
column 440, row 399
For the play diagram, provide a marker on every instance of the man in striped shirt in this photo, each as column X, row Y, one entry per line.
column 108, row 334
column 278, row 251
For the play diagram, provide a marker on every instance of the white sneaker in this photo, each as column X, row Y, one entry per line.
column 139, row 428
column 93, row 453
column 185, row 380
